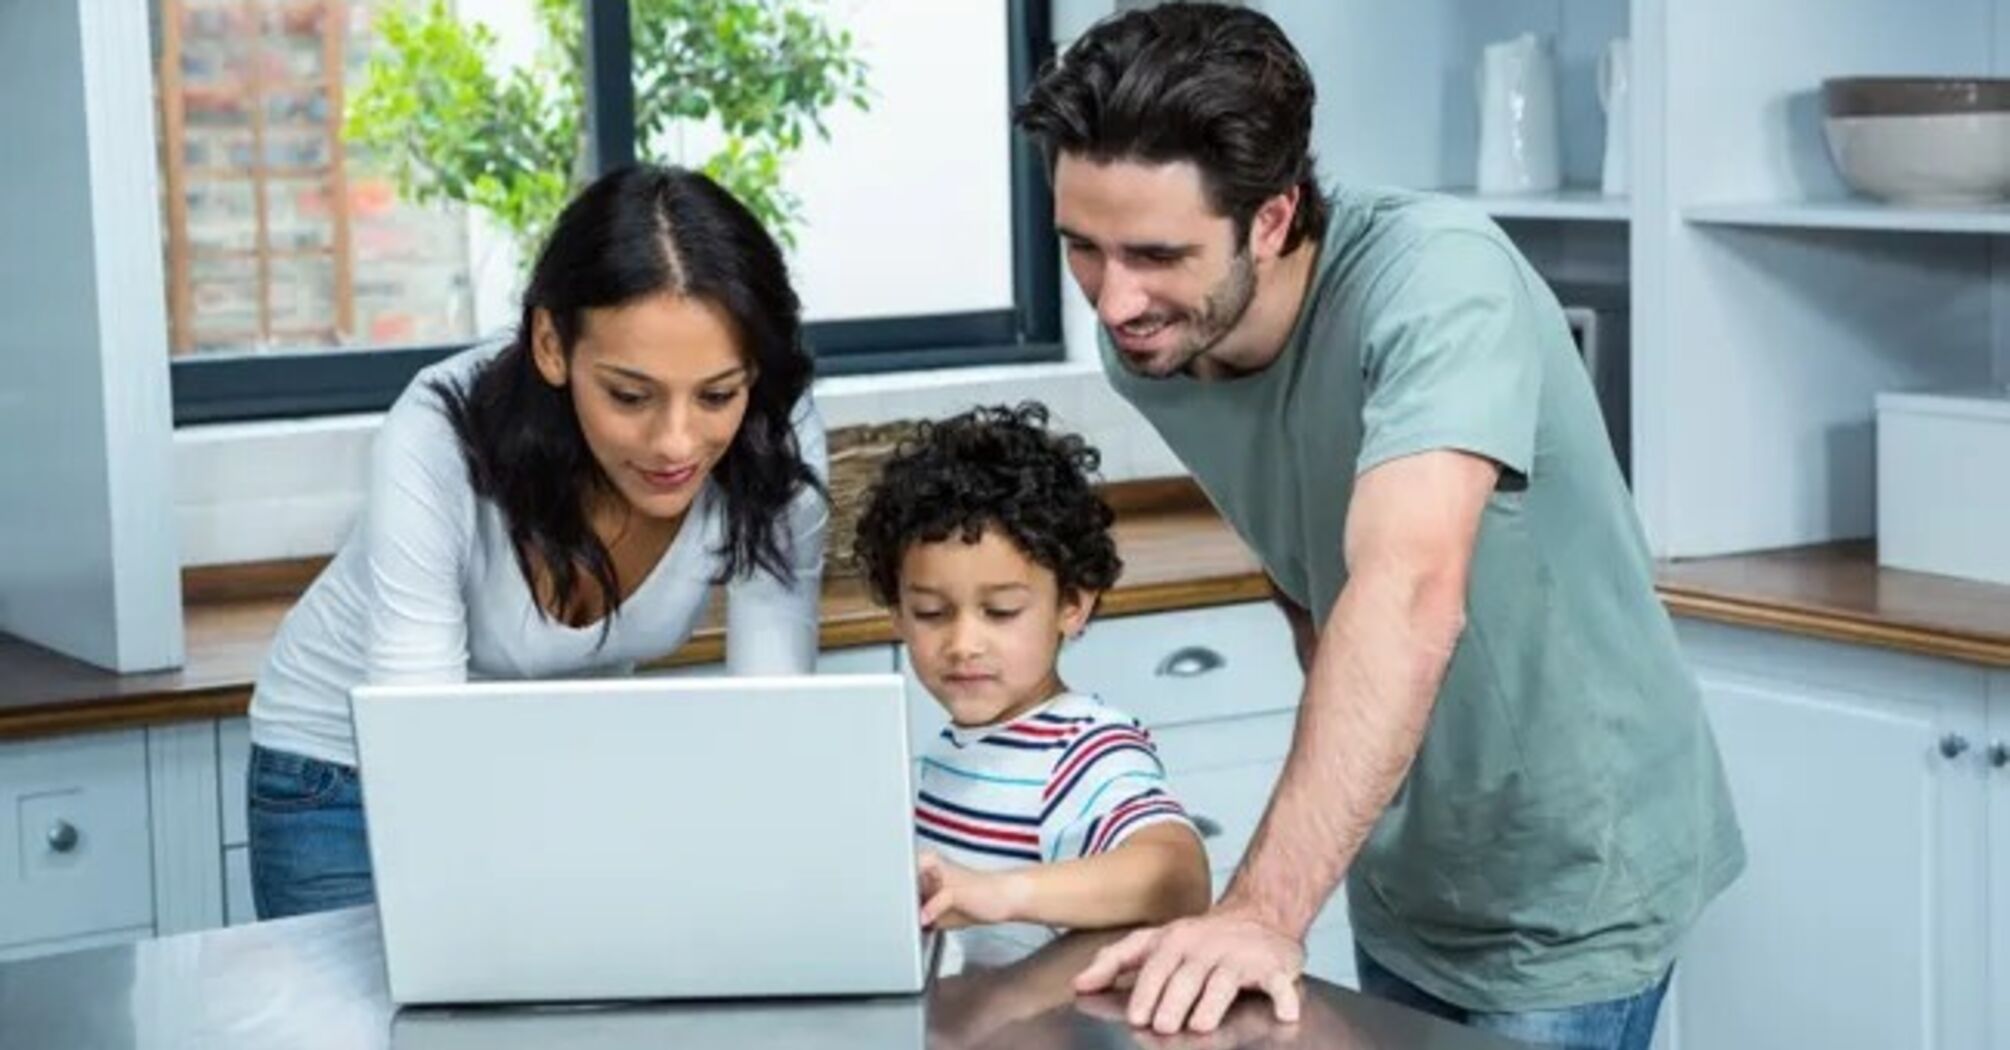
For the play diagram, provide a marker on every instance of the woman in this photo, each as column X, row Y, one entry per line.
column 560, row 504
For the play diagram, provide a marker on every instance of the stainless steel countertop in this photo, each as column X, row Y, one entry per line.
column 318, row 982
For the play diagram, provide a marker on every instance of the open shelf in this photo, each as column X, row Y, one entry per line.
column 1572, row 204
column 1856, row 214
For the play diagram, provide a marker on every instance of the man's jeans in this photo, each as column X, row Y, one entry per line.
column 1621, row 1024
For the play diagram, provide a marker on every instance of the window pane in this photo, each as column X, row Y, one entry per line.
column 907, row 208
column 280, row 232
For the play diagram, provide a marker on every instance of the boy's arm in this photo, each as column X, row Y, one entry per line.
column 1158, row 874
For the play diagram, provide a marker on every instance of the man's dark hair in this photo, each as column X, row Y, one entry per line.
column 997, row 469
column 1216, row 85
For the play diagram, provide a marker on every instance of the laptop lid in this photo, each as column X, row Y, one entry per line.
column 642, row 838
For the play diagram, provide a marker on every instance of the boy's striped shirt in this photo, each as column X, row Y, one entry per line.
column 1070, row 779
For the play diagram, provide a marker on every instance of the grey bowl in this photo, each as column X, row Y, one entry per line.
column 1914, row 96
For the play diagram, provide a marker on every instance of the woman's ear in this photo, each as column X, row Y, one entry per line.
column 547, row 352
column 1076, row 608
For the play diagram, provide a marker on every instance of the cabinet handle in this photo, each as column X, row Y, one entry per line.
column 63, row 836
column 1953, row 745
column 1207, row 826
column 1190, row 662
column 1999, row 754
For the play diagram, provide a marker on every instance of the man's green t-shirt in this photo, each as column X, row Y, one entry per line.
column 1567, row 815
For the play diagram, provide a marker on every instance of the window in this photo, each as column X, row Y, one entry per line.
column 300, row 280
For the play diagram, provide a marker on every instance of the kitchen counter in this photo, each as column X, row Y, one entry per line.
column 1178, row 554
column 317, row 982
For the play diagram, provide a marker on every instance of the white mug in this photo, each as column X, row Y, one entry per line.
column 1519, row 146
column 1615, row 96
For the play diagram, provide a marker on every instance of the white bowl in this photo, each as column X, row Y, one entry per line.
column 1936, row 158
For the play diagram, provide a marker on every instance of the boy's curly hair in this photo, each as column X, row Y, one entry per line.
column 998, row 468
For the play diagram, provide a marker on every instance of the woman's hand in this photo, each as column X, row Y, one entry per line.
column 954, row 896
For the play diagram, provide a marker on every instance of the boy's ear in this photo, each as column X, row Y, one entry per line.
column 1076, row 608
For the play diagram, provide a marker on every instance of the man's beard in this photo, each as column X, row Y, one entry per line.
column 1220, row 311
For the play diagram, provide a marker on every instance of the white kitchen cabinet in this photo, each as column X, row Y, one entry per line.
column 233, row 750
column 75, row 855
column 1996, row 755
column 1859, row 784
column 1167, row 669
column 858, row 659
column 238, row 907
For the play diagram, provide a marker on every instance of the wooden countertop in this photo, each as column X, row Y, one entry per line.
column 1177, row 552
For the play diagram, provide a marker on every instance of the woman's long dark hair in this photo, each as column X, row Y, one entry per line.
column 638, row 232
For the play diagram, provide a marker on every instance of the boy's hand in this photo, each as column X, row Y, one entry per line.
column 954, row 896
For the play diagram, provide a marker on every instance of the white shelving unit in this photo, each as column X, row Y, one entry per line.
column 1768, row 305
column 1570, row 205
column 1854, row 214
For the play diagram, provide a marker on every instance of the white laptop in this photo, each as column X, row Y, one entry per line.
column 642, row 838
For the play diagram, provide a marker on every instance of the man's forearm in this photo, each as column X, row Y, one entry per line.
column 1367, row 701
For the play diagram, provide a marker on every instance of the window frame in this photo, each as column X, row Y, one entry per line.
column 241, row 387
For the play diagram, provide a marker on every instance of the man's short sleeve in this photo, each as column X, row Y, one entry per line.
column 1452, row 357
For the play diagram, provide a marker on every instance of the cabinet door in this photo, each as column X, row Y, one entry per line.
column 859, row 659
column 1167, row 669
column 233, row 757
column 1854, row 923
column 75, row 856
column 1997, row 757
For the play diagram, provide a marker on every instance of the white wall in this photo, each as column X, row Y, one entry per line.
column 87, row 546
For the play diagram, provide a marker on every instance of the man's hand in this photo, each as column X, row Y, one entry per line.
column 953, row 896
column 1187, row 974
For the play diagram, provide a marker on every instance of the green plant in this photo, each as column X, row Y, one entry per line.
column 450, row 123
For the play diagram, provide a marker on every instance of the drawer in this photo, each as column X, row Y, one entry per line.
column 858, row 659
column 1179, row 667
column 1229, row 742
column 233, row 759
column 1329, row 954
column 237, row 903
column 75, row 852
column 1166, row 670
column 1228, row 803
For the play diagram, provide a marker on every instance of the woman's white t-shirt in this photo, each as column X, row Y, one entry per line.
column 426, row 589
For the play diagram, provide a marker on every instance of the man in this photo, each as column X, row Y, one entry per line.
column 1499, row 745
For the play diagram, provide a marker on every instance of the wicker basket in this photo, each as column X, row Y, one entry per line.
column 856, row 454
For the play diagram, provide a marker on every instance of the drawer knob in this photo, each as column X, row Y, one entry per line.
column 1208, row 827
column 1999, row 754
column 1190, row 662
column 63, row 836
column 1953, row 745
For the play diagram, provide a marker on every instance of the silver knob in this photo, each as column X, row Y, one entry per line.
column 1953, row 745
column 1999, row 754
column 1190, row 662
column 63, row 836
column 1207, row 826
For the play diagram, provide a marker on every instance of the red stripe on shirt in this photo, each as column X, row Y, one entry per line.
column 1083, row 757
column 1021, row 838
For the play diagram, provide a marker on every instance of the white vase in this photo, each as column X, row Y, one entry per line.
column 1615, row 96
column 1519, row 148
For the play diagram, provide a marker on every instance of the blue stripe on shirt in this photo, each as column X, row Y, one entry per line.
column 999, row 818
column 986, row 777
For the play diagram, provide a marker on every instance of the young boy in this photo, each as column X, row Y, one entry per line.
column 1041, row 805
